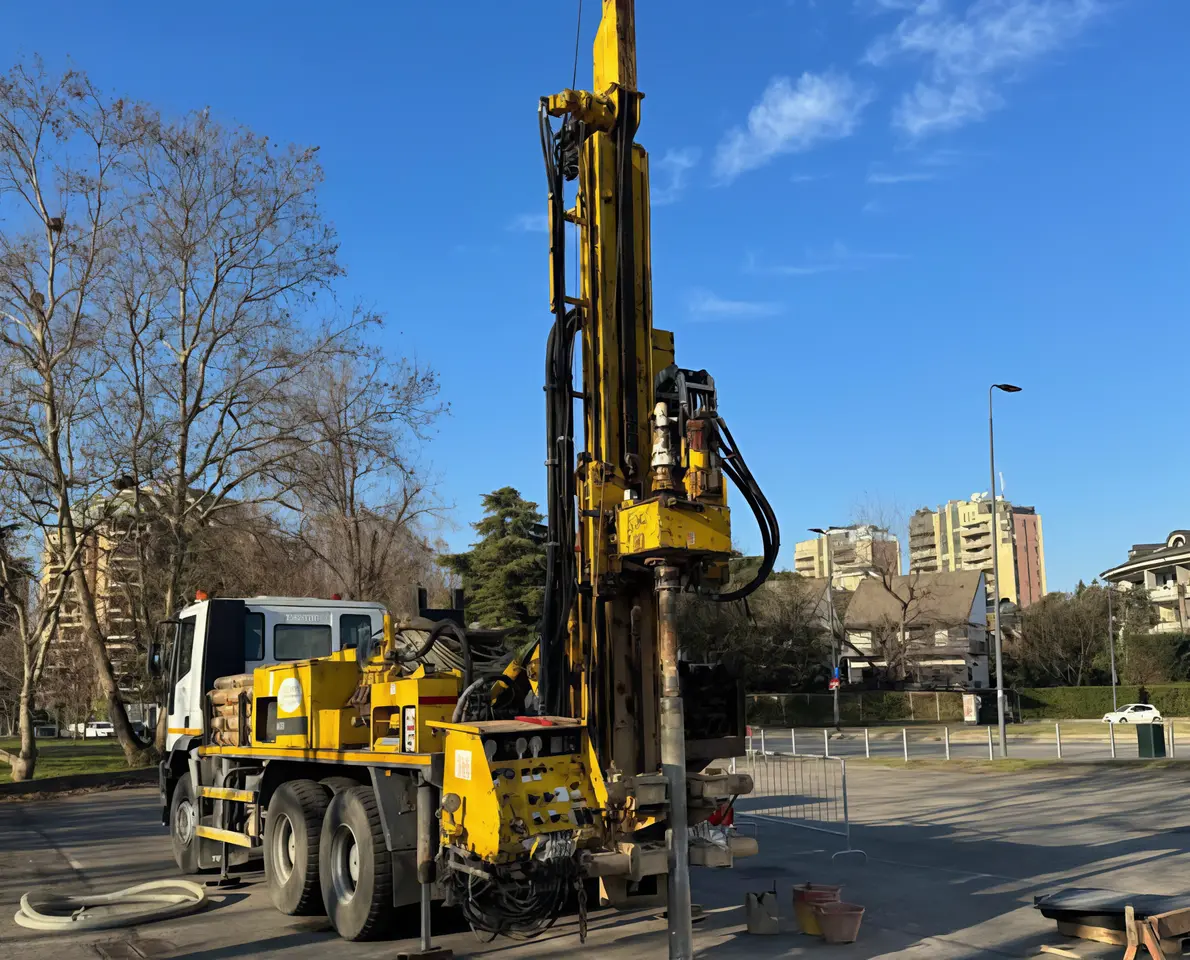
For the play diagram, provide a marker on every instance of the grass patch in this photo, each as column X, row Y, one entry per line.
column 60, row 758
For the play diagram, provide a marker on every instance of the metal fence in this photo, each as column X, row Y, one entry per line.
column 1073, row 740
column 800, row 790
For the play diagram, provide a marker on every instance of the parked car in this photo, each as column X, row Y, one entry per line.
column 1134, row 713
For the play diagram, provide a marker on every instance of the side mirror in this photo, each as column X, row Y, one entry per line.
column 159, row 646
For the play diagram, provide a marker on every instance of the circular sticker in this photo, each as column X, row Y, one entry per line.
column 289, row 697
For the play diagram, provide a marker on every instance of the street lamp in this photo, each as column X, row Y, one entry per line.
column 1111, row 644
column 830, row 608
column 1007, row 388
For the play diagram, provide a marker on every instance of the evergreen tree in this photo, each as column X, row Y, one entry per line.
column 503, row 573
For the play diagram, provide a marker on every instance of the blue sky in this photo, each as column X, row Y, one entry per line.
column 872, row 210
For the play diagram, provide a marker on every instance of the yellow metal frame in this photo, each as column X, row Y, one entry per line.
column 371, row 758
column 663, row 526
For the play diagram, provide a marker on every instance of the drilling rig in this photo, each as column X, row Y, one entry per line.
column 401, row 762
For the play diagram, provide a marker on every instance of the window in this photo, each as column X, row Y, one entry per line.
column 301, row 641
column 182, row 656
column 185, row 646
column 354, row 629
column 254, row 636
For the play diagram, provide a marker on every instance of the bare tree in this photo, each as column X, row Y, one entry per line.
column 363, row 495
column 227, row 242
column 61, row 148
column 28, row 619
column 909, row 595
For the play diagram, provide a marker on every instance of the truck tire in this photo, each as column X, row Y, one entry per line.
column 338, row 784
column 355, row 870
column 291, row 834
column 183, row 818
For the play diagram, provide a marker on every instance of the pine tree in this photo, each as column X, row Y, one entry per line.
column 503, row 573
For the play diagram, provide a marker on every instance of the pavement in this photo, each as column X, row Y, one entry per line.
column 953, row 862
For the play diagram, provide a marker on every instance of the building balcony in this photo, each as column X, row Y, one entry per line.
column 1167, row 593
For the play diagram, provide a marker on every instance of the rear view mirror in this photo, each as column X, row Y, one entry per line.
column 154, row 658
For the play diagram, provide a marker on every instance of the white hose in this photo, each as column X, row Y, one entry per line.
column 59, row 914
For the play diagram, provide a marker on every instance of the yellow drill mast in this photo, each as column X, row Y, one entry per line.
column 645, row 496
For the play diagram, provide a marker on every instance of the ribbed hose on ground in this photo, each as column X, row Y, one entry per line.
column 71, row 914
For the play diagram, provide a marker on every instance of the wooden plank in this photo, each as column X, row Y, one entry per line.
column 1098, row 934
column 1171, row 925
column 1073, row 954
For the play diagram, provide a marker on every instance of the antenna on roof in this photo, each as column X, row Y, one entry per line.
column 1001, row 483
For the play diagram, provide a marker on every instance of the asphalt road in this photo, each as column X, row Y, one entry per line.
column 954, row 860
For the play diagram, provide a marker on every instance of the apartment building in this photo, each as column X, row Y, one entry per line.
column 958, row 536
column 1163, row 570
column 109, row 567
column 847, row 554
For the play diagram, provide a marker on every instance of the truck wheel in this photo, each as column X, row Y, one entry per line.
column 291, row 834
column 338, row 784
column 183, row 818
column 355, row 869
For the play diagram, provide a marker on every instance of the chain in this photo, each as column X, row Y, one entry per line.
column 581, row 890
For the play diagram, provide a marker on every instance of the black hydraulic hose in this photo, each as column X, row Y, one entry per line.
column 441, row 627
column 449, row 626
column 736, row 470
column 561, row 575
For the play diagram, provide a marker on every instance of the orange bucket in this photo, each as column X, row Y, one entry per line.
column 805, row 896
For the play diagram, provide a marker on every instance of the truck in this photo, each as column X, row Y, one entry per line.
column 335, row 768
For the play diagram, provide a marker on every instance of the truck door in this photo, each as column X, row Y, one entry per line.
column 185, row 678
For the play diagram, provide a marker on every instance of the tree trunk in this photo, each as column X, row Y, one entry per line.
column 23, row 763
column 135, row 752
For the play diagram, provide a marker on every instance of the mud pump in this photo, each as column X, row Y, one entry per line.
column 407, row 762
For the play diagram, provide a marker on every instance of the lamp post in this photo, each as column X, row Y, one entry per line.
column 830, row 612
column 1111, row 645
column 1007, row 388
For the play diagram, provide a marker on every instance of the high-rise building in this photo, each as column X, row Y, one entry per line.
column 854, row 551
column 958, row 536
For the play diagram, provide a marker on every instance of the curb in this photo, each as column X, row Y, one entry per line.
column 79, row 781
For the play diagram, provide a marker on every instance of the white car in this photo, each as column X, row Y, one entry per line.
column 1134, row 713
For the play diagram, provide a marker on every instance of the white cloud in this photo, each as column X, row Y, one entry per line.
column 967, row 57
column 530, row 223
column 907, row 176
column 706, row 305
column 669, row 174
column 836, row 258
column 790, row 118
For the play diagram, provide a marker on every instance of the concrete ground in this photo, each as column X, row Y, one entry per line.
column 954, row 860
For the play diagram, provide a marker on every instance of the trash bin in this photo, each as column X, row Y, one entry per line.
column 1150, row 740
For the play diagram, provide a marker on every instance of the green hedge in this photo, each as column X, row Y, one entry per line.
column 895, row 706
column 1091, row 703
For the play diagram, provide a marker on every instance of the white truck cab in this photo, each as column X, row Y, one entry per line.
column 215, row 638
